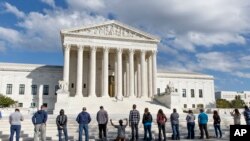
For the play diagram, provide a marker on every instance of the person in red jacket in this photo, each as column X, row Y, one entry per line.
column 161, row 120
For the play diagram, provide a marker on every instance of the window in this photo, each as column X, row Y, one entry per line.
column 33, row 89
column 192, row 92
column 20, row 104
column 84, row 85
column 45, row 104
column 33, row 104
column 56, row 88
column 193, row 105
column 200, row 106
column 176, row 90
column 21, row 89
column 9, row 89
column 158, row 91
column 72, row 85
column 200, row 93
column 184, row 93
column 45, row 89
column 185, row 105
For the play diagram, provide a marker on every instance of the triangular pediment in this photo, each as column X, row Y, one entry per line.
column 112, row 29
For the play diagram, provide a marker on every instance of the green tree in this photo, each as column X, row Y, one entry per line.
column 6, row 101
column 223, row 103
column 237, row 102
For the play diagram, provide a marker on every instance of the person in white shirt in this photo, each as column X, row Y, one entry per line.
column 15, row 124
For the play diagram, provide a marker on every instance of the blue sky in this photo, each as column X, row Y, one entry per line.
column 211, row 37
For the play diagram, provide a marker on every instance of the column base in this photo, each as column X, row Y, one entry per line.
column 105, row 96
column 92, row 95
column 78, row 95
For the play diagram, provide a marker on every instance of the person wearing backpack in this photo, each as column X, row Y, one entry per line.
column 39, row 120
column 217, row 120
column 147, row 122
column 190, row 124
column 61, row 122
column 161, row 120
column 247, row 115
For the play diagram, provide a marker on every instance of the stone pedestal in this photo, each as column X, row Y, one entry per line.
column 62, row 101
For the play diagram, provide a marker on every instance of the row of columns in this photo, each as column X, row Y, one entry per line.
column 92, row 72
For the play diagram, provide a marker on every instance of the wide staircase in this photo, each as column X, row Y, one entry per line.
column 27, row 130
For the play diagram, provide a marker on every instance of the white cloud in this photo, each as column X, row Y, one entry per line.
column 86, row 4
column 12, row 9
column 2, row 46
column 49, row 2
column 10, row 35
column 41, row 31
column 207, row 23
column 242, row 75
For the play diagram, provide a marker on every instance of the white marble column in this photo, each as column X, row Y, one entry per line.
column 66, row 66
column 105, row 72
column 131, row 73
column 127, row 76
column 143, row 79
column 138, row 77
column 40, row 96
column 79, row 70
column 119, row 74
column 92, row 72
column 154, row 71
column 150, row 91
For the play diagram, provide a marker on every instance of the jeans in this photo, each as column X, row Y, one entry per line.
column 190, row 127
column 134, row 128
column 202, row 128
column 40, row 129
column 64, row 129
column 86, row 132
column 248, row 122
column 162, row 129
column 147, row 129
column 216, row 128
column 13, row 129
column 176, row 134
column 102, row 128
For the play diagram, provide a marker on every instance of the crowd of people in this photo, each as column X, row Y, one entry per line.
column 39, row 120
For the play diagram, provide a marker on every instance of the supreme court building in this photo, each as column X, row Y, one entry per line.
column 110, row 60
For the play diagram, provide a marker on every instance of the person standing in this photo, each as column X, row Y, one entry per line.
column 247, row 115
column 217, row 120
column 190, row 124
column 102, row 119
column 147, row 123
column 83, row 120
column 120, row 130
column 61, row 122
column 39, row 120
column 202, row 120
column 174, row 118
column 134, row 118
column 15, row 124
column 237, row 116
column 161, row 120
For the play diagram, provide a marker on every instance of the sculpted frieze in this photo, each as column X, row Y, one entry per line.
column 111, row 30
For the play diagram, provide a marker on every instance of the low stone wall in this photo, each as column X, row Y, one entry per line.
column 25, row 111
